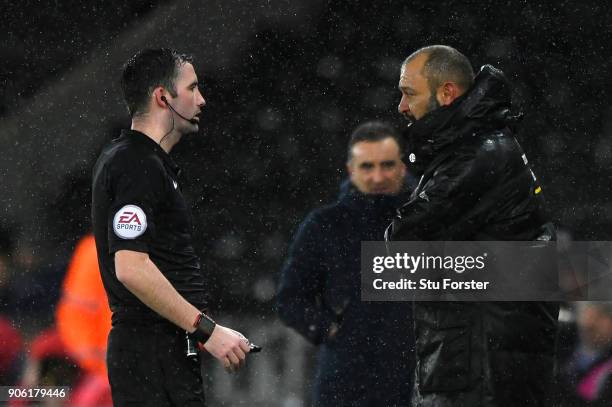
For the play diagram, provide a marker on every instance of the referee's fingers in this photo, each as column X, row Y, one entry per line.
column 227, row 364
column 233, row 359
column 241, row 355
column 244, row 345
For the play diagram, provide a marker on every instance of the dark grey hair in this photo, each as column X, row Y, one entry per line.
column 373, row 131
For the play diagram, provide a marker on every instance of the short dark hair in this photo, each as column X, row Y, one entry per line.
column 145, row 71
column 373, row 131
column 444, row 63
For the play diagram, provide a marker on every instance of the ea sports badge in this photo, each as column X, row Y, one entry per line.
column 129, row 222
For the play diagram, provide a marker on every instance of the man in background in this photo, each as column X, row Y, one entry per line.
column 586, row 378
column 365, row 348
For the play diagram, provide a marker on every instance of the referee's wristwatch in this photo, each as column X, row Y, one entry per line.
column 204, row 326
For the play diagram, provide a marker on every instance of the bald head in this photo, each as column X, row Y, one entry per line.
column 441, row 63
column 431, row 77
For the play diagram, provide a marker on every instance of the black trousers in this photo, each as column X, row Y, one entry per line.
column 148, row 366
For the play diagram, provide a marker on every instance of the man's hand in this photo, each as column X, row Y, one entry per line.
column 228, row 346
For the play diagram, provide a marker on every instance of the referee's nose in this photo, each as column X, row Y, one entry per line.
column 201, row 102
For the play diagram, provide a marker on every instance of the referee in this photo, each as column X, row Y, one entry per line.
column 143, row 231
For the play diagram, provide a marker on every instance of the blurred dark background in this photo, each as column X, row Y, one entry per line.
column 285, row 82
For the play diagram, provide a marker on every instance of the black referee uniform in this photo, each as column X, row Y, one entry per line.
column 138, row 205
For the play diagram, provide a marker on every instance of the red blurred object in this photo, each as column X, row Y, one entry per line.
column 10, row 345
column 48, row 344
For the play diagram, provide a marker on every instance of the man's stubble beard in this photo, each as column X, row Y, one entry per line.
column 431, row 106
column 433, row 103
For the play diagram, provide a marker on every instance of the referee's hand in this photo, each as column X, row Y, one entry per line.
column 229, row 347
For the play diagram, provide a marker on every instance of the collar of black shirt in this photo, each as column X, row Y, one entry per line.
column 147, row 141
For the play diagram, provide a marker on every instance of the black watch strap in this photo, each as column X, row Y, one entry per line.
column 204, row 328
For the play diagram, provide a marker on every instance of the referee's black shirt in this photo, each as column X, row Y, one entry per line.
column 138, row 205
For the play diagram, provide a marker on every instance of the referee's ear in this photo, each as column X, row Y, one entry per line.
column 160, row 97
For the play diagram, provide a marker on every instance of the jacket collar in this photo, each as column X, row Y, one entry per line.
column 483, row 108
column 350, row 196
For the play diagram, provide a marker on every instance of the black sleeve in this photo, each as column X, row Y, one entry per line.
column 138, row 190
column 299, row 297
column 454, row 188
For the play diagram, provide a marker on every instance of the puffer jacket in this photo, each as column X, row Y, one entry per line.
column 477, row 185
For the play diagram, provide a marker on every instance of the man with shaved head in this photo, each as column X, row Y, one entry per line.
column 476, row 185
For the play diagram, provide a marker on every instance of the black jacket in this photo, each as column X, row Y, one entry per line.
column 369, row 361
column 477, row 185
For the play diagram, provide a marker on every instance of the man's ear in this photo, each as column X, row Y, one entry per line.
column 158, row 94
column 349, row 169
column 447, row 93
